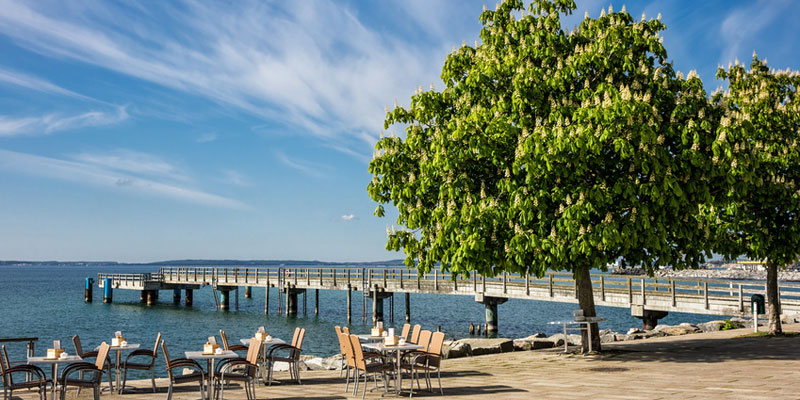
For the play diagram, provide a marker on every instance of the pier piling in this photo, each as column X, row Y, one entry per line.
column 316, row 301
column 408, row 307
column 349, row 304
column 189, row 297
column 142, row 296
column 248, row 292
column 291, row 302
column 266, row 300
column 87, row 293
column 176, row 296
column 225, row 299
column 108, row 291
column 490, row 306
column 151, row 297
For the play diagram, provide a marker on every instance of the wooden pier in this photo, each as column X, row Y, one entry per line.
column 647, row 298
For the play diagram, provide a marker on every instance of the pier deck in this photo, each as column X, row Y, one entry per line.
column 702, row 296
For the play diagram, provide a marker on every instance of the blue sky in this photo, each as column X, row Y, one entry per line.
column 144, row 131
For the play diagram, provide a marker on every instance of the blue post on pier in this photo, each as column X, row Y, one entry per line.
column 108, row 291
column 87, row 293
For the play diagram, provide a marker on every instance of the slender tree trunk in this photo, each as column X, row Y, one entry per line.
column 586, row 303
column 773, row 301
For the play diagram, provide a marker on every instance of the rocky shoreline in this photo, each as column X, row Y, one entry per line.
column 476, row 346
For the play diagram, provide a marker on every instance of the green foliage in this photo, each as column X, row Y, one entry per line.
column 551, row 149
column 728, row 325
column 756, row 144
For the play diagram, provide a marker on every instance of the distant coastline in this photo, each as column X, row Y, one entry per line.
column 17, row 263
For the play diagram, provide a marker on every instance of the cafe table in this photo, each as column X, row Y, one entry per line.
column 398, row 350
column 210, row 358
column 369, row 338
column 54, row 362
column 118, row 365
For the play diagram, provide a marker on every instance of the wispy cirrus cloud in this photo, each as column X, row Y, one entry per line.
column 50, row 123
column 742, row 24
column 100, row 175
column 37, row 84
column 316, row 66
column 234, row 178
column 206, row 138
column 309, row 168
column 133, row 162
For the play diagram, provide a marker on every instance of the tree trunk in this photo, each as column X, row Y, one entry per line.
column 773, row 301
column 586, row 303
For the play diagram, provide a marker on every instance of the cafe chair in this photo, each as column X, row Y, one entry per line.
column 343, row 367
column 175, row 378
column 83, row 368
column 34, row 377
column 292, row 355
column 415, row 334
column 404, row 333
column 76, row 341
column 349, row 360
column 226, row 346
column 426, row 361
column 146, row 362
column 240, row 370
column 363, row 368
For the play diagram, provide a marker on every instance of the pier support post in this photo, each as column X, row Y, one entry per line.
column 176, row 296
column 87, row 293
column 377, row 304
column 189, row 297
column 151, row 297
column 108, row 291
column 225, row 299
column 408, row 307
column 490, row 306
column 349, row 304
column 266, row 300
column 649, row 317
column 316, row 301
column 291, row 302
column 248, row 292
column 142, row 296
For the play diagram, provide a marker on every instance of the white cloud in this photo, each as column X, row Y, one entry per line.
column 315, row 66
column 309, row 168
column 37, row 84
column 207, row 137
column 349, row 217
column 742, row 24
column 134, row 162
column 99, row 176
column 50, row 123
column 235, row 178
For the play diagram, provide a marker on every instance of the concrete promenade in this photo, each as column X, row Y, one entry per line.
column 703, row 365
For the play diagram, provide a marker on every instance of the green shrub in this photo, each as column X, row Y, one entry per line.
column 728, row 325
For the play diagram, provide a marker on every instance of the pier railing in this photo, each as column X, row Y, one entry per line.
column 711, row 296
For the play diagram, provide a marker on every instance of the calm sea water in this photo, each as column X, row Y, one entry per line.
column 47, row 302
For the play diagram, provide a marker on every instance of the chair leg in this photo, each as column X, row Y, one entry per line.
column 153, row 378
column 364, row 393
column 124, row 380
column 439, row 376
column 169, row 390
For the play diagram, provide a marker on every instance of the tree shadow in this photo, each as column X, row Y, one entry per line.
column 705, row 350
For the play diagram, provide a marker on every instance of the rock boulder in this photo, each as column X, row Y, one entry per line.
column 488, row 346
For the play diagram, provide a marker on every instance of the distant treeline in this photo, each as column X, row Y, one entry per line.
column 199, row 263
